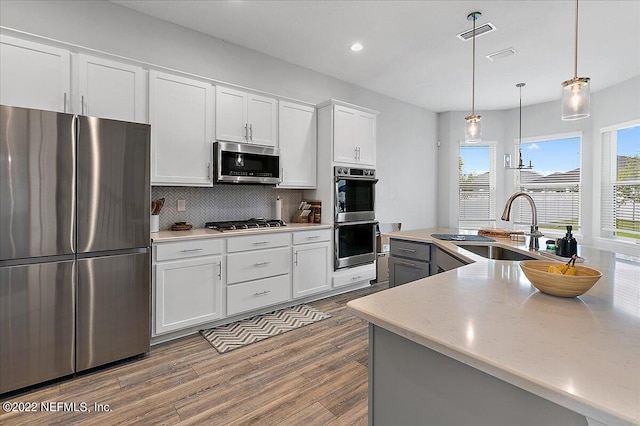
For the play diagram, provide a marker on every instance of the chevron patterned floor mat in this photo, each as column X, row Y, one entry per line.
column 238, row 334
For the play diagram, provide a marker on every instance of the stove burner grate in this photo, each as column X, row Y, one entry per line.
column 252, row 223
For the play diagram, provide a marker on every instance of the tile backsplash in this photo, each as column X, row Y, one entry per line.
column 224, row 202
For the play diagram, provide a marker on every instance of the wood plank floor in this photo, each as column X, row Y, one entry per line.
column 315, row 375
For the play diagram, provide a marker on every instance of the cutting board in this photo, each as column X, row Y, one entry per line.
column 498, row 233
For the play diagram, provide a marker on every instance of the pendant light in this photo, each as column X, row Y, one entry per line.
column 575, row 92
column 521, row 164
column 473, row 129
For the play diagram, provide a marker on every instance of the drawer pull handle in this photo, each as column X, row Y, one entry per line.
column 313, row 237
column 356, row 278
column 258, row 243
column 261, row 264
column 260, row 293
column 411, row 265
column 406, row 249
column 190, row 250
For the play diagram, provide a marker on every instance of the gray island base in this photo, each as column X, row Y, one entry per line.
column 410, row 384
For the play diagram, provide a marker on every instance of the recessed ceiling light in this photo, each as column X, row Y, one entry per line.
column 356, row 47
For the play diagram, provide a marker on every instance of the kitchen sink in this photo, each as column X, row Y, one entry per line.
column 495, row 252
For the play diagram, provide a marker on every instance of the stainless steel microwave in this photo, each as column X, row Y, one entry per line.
column 246, row 163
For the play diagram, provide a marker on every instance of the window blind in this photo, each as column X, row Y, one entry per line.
column 555, row 188
column 476, row 186
column 620, row 191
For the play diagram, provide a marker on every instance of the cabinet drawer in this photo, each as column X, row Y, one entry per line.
column 410, row 249
column 355, row 276
column 316, row 236
column 183, row 249
column 402, row 271
column 257, row 264
column 257, row 294
column 259, row 241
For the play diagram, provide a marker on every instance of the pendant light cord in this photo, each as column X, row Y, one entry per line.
column 520, row 130
column 575, row 57
column 473, row 79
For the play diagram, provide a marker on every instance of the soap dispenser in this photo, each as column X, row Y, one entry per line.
column 567, row 245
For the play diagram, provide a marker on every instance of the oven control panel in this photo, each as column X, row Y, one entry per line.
column 340, row 171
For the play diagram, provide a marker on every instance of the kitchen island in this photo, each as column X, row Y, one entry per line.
column 480, row 345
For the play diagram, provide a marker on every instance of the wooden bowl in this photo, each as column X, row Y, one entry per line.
column 558, row 284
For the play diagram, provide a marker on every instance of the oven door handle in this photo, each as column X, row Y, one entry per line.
column 366, row 179
column 361, row 222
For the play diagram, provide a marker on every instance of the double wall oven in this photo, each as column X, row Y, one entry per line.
column 355, row 224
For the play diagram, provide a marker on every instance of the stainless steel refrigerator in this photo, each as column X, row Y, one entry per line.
column 74, row 244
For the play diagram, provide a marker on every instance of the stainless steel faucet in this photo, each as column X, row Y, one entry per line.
column 534, row 245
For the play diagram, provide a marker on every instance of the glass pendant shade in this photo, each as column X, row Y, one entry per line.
column 575, row 98
column 473, row 129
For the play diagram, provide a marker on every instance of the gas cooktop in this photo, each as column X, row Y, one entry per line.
column 252, row 223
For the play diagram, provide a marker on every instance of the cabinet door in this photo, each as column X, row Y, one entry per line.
column 110, row 89
column 187, row 293
column 311, row 269
column 297, row 140
column 181, row 118
column 366, row 138
column 345, row 130
column 231, row 115
column 33, row 75
column 402, row 271
column 262, row 113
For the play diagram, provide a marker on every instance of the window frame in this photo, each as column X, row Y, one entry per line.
column 608, row 165
column 577, row 230
column 491, row 221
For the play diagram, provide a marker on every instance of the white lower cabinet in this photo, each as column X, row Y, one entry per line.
column 202, row 282
column 188, row 286
column 311, row 262
column 187, row 293
column 258, row 277
column 354, row 275
column 257, row 264
column 255, row 294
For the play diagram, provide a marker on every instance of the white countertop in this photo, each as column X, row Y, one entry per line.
column 195, row 233
column 582, row 353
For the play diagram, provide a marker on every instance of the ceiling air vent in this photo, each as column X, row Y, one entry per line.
column 482, row 29
column 501, row 54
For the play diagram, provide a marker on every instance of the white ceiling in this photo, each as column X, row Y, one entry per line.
column 411, row 51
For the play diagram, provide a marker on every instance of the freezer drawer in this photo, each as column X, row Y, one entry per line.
column 113, row 308
column 36, row 323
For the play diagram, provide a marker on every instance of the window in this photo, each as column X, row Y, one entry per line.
column 554, row 182
column 476, row 186
column 620, row 203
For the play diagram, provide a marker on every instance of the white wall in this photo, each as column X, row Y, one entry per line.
column 406, row 147
column 610, row 106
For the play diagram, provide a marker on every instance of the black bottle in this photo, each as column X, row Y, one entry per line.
column 567, row 245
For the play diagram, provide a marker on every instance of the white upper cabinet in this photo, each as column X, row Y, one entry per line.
column 297, row 138
column 262, row 116
column 354, row 136
column 110, row 89
column 246, row 117
column 231, row 115
column 182, row 129
column 33, row 75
